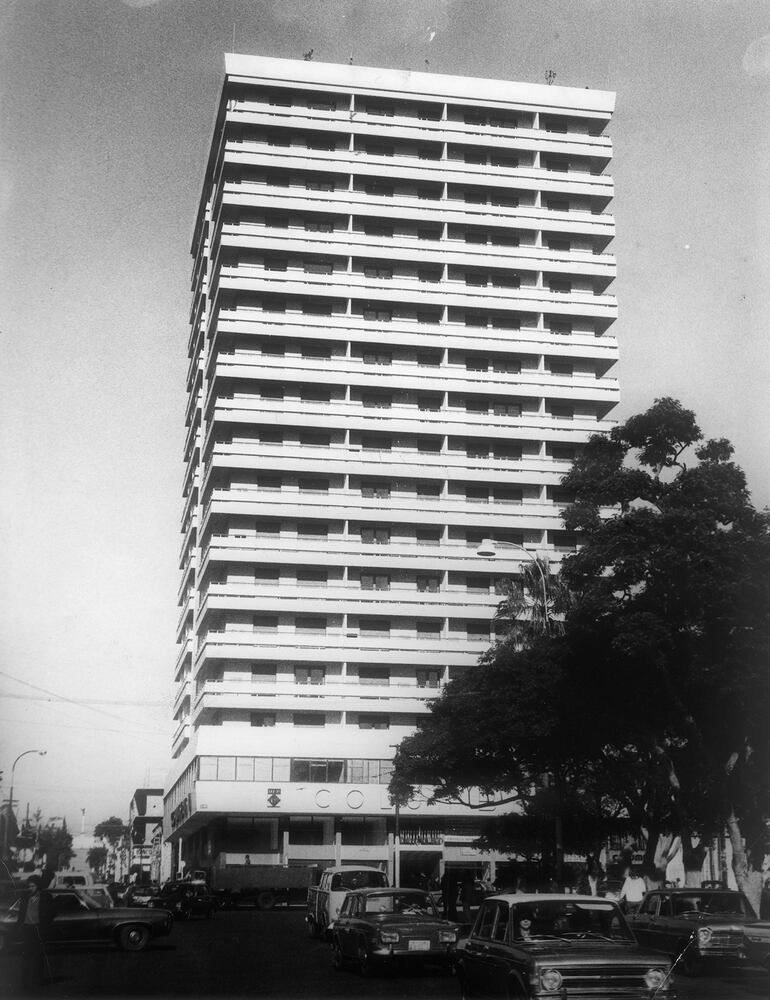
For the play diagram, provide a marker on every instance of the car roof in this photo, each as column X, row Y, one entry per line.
column 547, row 897
column 684, row 891
column 384, row 890
column 354, row 868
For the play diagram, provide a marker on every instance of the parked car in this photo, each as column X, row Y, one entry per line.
column 324, row 901
column 560, row 945
column 378, row 927
column 100, row 894
column 139, row 895
column 184, row 900
column 694, row 926
column 758, row 943
column 76, row 917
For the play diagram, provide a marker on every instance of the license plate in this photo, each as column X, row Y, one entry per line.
column 419, row 946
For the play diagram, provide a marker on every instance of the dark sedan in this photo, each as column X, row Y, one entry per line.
column 694, row 926
column 185, row 900
column 378, row 927
column 536, row 946
column 75, row 917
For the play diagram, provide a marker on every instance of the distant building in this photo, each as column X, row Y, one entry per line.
column 401, row 336
column 145, row 815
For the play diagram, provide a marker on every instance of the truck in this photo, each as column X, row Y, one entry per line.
column 325, row 899
column 260, row 886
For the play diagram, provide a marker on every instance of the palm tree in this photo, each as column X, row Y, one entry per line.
column 533, row 603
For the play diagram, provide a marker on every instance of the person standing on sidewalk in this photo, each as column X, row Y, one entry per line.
column 34, row 917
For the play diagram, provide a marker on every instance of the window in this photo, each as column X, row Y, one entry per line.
column 322, row 104
column 271, row 390
column 429, row 445
column 561, row 368
column 319, row 267
column 428, row 678
column 560, row 327
column 380, row 491
column 476, row 236
column 373, row 722
column 501, row 160
column 477, row 449
column 309, row 719
column 428, row 584
column 477, row 404
column 315, row 439
column 266, row 574
column 507, row 450
column 377, row 271
column 265, row 623
column 477, row 494
column 372, row 228
column 503, row 200
column 374, row 675
column 557, row 205
column 376, row 442
column 428, row 194
column 429, row 404
column 477, row 630
column 278, row 139
column 276, row 263
column 560, row 163
column 315, row 770
column 376, row 357
column 374, row 626
column 507, row 408
column 428, row 628
column 379, row 189
column 276, row 221
column 504, row 279
column 316, row 349
column 313, row 485
column 386, row 110
column 428, row 536
column 477, row 584
column 475, row 196
column 474, row 117
column 309, row 675
column 270, row 435
column 429, row 274
column 313, row 577
column 269, row 481
column 475, row 156
column 502, row 364
column 318, row 308
column 262, row 719
column 319, row 226
column 321, row 142
column 265, row 527
column 263, row 673
column 562, row 452
column 379, row 149
column 507, row 494
column 375, row 581
column 476, row 363
column 560, row 245
column 371, row 535
column 562, row 411
column 309, row 623
column 377, row 314
column 560, row 285
column 317, row 184
column 428, row 491
column 273, row 348
column 429, row 359
column 377, row 400
column 315, row 394
column 428, row 233
column 428, row 316
column 477, row 278
column 312, row 529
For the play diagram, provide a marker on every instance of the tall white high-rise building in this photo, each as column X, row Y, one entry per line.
column 400, row 335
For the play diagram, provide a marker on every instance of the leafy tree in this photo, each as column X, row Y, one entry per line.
column 111, row 830
column 531, row 605
column 56, row 843
column 97, row 858
column 672, row 624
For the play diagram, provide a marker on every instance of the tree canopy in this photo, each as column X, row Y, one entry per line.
column 111, row 829
column 652, row 705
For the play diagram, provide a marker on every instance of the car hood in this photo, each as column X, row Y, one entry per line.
column 576, row 952
column 404, row 920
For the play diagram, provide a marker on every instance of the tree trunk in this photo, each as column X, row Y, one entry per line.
column 749, row 880
column 693, row 856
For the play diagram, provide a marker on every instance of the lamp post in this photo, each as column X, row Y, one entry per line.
column 6, row 825
column 487, row 550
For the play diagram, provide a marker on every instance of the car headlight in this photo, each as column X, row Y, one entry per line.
column 654, row 978
column 389, row 937
column 447, row 937
column 550, row 979
column 704, row 935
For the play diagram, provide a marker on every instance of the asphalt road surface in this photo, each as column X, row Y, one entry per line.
column 268, row 955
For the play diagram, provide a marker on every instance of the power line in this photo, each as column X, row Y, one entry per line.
column 90, row 701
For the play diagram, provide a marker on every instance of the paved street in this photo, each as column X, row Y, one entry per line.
column 268, row 955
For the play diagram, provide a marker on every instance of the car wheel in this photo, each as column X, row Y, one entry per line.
column 134, row 938
column 365, row 962
column 338, row 959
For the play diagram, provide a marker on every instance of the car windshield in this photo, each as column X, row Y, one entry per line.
column 732, row 903
column 400, row 902
column 569, row 920
column 358, row 879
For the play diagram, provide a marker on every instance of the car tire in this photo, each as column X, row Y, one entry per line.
column 312, row 928
column 134, row 937
column 338, row 959
column 365, row 962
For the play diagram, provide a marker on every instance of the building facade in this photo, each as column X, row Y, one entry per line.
column 400, row 335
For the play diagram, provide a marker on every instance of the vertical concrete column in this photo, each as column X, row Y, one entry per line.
column 337, row 846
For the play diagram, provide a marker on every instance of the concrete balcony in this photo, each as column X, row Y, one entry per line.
column 453, row 510
column 441, row 558
column 424, row 129
column 337, row 649
column 406, row 168
column 184, row 656
column 416, row 211
column 453, row 294
column 525, row 257
column 180, row 738
column 184, row 690
column 188, row 578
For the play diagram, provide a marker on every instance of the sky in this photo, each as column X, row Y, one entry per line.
column 106, row 115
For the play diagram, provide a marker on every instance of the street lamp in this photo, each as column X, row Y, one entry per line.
column 487, row 550
column 7, row 823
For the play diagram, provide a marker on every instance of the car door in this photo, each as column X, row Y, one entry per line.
column 498, row 965
column 342, row 926
column 72, row 920
column 477, row 961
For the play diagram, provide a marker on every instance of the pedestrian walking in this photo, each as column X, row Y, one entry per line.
column 633, row 890
column 34, row 918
